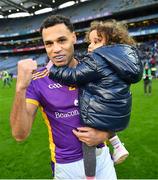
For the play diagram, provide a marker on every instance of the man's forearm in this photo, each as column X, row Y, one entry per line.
column 19, row 118
column 22, row 114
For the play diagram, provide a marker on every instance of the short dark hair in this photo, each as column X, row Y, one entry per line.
column 56, row 19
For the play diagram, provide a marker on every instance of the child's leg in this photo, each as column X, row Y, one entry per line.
column 120, row 153
column 114, row 140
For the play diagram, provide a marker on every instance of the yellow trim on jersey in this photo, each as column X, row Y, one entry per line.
column 41, row 75
column 72, row 88
column 51, row 141
column 32, row 101
column 38, row 77
column 38, row 73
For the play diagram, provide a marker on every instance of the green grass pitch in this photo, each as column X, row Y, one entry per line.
column 31, row 159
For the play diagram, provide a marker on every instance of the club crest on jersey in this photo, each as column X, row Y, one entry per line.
column 76, row 102
column 54, row 86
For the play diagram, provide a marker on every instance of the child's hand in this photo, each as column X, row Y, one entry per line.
column 95, row 46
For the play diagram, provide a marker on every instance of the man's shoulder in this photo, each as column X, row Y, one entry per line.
column 40, row 73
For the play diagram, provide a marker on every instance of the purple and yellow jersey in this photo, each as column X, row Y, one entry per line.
column 59, row 105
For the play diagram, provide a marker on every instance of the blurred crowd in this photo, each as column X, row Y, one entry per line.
column 149, row 56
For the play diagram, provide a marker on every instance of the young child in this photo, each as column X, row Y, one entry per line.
column 120, row 153
column 104, row 77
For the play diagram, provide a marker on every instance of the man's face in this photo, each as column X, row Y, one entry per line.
column 59, row 44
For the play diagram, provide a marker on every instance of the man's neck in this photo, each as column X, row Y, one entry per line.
column 49, row 65
column 73, row 63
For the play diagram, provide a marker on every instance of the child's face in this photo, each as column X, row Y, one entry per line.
column 95, row 41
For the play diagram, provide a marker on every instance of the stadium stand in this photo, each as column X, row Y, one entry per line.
column 87, row 11
column 20, row 38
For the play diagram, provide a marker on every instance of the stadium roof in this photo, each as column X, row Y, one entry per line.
column 19, row 8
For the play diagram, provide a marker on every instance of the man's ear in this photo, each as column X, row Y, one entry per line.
column 74, row 38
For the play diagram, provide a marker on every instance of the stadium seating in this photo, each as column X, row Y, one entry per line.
column 87, row 11
column 9, row 63
column 21, row 34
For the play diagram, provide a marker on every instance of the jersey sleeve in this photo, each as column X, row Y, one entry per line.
column 31, row 94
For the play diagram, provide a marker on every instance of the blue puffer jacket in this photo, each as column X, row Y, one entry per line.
column 104, row 78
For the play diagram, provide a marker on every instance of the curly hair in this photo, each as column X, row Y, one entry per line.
column 115, row 32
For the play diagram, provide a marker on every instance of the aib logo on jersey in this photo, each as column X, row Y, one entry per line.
column 54, row 86
column 76, row 102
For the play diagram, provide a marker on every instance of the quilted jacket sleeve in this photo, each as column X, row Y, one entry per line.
column 83, row 73
column 124, row 60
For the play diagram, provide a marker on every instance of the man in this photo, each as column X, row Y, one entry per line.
column 6, row 79
column 59, row 104
column 147, row 77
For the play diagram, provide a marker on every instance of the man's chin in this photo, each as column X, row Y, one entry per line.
column 58, row 64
